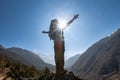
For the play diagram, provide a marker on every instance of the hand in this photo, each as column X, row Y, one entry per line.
column 76, row 16
column 43, row 31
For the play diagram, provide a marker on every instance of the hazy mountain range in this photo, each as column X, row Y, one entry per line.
column 101, row 61
column 24, row 56
column 30, row 58
column 69, row 62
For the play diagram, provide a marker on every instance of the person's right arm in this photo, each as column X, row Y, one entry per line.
column 68, row 23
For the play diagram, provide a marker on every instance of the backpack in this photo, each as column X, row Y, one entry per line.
column 52, row 33
column 53, row 30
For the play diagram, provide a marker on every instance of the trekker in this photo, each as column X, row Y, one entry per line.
column 56, row 34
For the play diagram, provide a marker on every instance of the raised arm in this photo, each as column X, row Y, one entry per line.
column 75, row 17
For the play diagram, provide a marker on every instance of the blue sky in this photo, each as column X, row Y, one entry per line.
column 22, row 21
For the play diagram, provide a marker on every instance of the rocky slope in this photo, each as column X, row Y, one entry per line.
column 101, row 60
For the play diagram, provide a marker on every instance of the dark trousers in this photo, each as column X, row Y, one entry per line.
column 59, row 49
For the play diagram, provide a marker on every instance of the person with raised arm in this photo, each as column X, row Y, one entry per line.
column 56, row 34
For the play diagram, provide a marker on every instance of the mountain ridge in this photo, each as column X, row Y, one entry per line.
column 25, row 56
column 100, row 59
column 31, row 57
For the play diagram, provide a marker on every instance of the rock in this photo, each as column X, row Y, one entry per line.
column 67, row 76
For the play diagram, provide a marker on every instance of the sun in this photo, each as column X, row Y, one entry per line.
column 62, row 23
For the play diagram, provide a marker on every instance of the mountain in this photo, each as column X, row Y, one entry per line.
column 101, row 60
column 31, row 57
column 15, row 66
column 47, row 58
column 12, row 56
column 69, row 62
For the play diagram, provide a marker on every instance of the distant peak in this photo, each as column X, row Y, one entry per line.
column 1, row 47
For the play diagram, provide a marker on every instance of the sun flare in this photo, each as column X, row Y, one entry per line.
column 62, row 23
